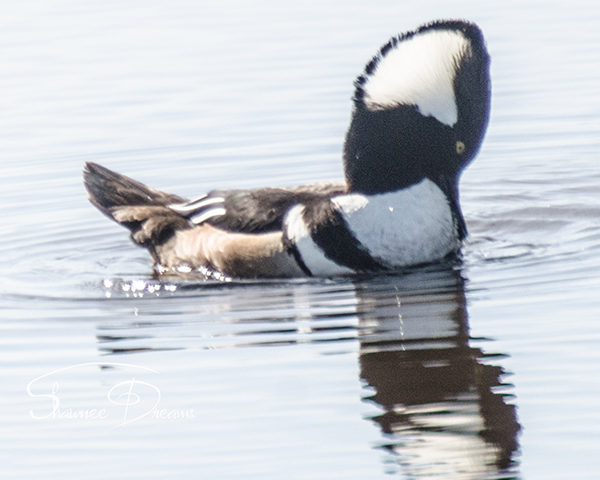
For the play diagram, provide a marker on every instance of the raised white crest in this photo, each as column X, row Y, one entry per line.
column 419, row 71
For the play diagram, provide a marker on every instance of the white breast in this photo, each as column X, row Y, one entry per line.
column 408, row 227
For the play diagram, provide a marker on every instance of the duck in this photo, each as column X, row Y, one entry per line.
column 420, row 112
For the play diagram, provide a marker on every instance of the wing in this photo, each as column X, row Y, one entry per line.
column 252, row 211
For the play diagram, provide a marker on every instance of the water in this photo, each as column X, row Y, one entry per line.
column 484, row 369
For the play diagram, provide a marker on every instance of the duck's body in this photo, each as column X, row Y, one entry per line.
column 421, row 109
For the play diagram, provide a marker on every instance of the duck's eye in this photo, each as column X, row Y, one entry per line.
column 460, row 147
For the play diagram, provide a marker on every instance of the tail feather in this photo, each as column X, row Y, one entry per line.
column 137, row 207
column 108, row 189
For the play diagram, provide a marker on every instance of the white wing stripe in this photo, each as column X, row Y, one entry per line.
column 202, row 217
column 196, row 204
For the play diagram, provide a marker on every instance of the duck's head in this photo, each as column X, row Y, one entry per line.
column 421, row 109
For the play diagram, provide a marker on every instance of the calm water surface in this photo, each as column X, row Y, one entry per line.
column 484, row 369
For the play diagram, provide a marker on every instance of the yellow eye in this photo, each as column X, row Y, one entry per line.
column 460, row 147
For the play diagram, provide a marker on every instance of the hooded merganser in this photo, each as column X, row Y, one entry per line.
column 421, row 109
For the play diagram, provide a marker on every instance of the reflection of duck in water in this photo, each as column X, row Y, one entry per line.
column 420, row 113
column 441, row 413
column 440, row 407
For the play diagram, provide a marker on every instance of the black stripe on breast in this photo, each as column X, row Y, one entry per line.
column 329, row 231
column 292, row 249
